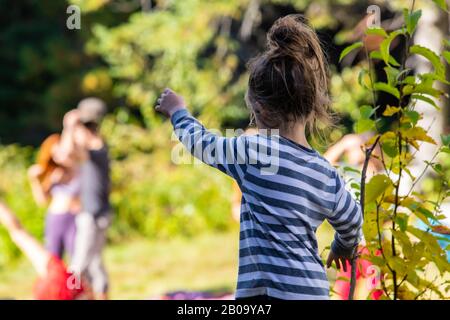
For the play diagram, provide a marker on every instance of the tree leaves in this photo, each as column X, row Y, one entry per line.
column 441, row 3
column 377, row 56
column 365, row 123
column 389, row 144
column 376, row 187
column 411, row 19
column 377, row 31
column 349, row 49
column 411, row 116
column 381, row 86
column 386, row 43
column 445, row 139
column 366, row 111
column 446, row 55
column 414, row 134
column 389, row 111
column 425, row 99
column 438, row 66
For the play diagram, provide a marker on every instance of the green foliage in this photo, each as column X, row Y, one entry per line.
column 442, row 4
column 411, row 20
column 386, row 44
column 349, row 49
column 439, row 68
column 15, row 191
column 391, row 214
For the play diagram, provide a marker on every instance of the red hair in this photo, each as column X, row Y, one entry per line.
column 46, row 162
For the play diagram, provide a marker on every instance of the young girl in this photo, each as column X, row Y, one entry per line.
column 288, row 189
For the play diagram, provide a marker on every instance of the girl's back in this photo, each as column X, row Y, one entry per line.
column 280, row 213
column 288, row 190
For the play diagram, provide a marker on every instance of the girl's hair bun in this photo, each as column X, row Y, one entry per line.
column 290, row 36
column 290, row 79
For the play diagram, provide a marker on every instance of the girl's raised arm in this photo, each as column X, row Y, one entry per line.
column 229, row 155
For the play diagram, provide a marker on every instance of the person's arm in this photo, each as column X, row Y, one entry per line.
column 30, row 247
column 347, row 221
column 68, row 151
column 40, row 196
column 226, row 154
column 334, row 153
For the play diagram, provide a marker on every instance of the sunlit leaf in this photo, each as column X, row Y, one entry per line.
column 422, row 88
column 363, row 125
column 381, row 86
column 351, row 169
column 445, row 139
column 417, row 133
column 377, row 31
column 441, row 3
column 392, row 75
column 425, row 99
column 431, row 56
column 391, row 111
column 402, row 221
column 376, row 55
column 349, row 49
column 412, row 116
column 411, row 19
column 446, row 55
column 366, row 111
column 389, row 144
column 376, row 187
column 386, row 43
column 362, row 78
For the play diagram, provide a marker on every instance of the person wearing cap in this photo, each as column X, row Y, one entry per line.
column 81, row 137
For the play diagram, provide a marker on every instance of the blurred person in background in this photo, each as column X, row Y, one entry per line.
column 347, row 151
column 54, row 281
column 81, row 136
column 57, row 186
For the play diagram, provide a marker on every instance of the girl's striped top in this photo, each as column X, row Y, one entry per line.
column 288, row 190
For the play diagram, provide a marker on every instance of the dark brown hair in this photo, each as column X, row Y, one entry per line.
column 289, row 81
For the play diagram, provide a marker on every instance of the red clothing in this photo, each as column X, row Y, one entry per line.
column 363, row 273
column 58, row 284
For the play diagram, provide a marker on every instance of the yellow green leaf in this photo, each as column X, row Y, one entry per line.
column 431, row 56
column 386, row 43
column 391, row 111
column 417, row 134
column 376, row 55
column 381, row 86
column 349, row 49
column 376, row 187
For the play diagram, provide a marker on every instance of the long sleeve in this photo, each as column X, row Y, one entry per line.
column 226, row 154
column 346, row 219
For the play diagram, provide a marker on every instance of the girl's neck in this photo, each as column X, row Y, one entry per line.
column 295, row 133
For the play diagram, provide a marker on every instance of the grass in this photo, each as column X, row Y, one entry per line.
column 144, row 269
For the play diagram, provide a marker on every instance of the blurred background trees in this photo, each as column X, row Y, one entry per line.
column 128, row 50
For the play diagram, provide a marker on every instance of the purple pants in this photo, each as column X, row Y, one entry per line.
column 60, row 232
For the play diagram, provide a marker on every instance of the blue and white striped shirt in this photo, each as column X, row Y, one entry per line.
column 288, row 190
